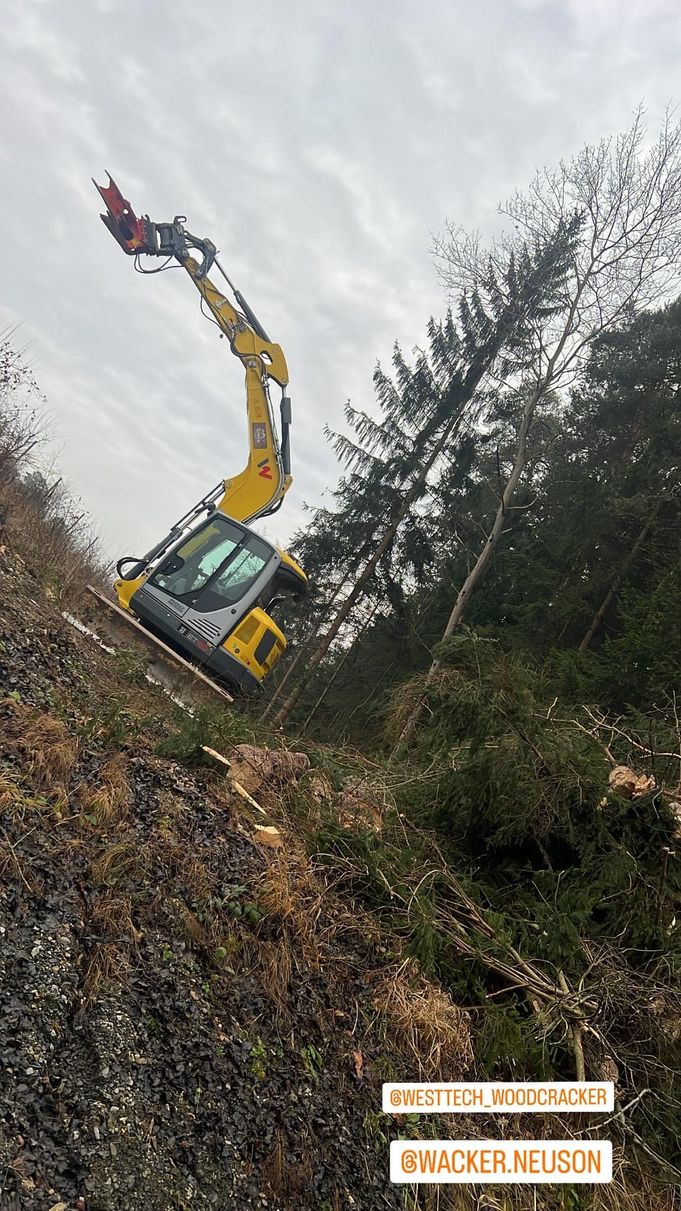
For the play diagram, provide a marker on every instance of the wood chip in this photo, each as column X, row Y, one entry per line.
column 268, row 835
column 245, row 795
column 215, row 755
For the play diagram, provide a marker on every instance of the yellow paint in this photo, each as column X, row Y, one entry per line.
column 126, row 588
column 294, row 567
column 243, row 641
column 262, row 482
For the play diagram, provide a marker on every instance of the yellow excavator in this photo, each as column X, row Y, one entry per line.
column 208, row 588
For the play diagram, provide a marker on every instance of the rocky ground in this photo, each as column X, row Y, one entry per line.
column 188, row 1019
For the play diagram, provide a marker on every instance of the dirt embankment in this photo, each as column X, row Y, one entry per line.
column 188, row 1020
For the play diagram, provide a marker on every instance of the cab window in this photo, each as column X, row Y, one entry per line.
column 215, row 566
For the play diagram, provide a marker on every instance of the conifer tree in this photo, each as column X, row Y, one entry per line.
column 432, row 399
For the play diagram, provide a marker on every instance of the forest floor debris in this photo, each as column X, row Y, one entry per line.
column 190, row 1019
column 150, row 954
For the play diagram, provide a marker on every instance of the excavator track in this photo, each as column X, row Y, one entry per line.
column 178, row 675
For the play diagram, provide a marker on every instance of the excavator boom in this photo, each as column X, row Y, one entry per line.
column 259, row 489
column 204, row 590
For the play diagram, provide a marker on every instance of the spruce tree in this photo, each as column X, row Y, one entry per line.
column 432, row 399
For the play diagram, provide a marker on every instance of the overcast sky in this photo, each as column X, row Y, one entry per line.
column 319, row 145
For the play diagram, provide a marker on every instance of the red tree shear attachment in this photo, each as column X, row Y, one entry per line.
column 134, row 235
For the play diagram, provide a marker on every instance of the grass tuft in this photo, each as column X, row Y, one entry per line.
column 109, row 803
column 52, row 752
column 116, row 938
column 424, row 1020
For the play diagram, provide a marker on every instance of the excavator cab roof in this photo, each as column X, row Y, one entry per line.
column 291, row 573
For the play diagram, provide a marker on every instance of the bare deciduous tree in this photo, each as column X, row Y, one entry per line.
column 22, row 422
column 626, row 193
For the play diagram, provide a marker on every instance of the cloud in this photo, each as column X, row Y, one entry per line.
column 319, row 145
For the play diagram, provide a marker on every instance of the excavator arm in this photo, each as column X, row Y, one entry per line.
column 259, row 489
column 206, row 588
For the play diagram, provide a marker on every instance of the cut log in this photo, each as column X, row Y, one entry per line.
column 224, row 761
column 245, row 795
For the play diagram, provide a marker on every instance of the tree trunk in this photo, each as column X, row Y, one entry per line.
column 543, row 384
column 470, row 385
column 336, row 671
column 300, row 654
column 359, row 586
column 304, row 648
column 481, row 564
column 602, row 610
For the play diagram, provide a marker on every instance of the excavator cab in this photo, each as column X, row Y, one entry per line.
column 209, row 596
column 206, row 588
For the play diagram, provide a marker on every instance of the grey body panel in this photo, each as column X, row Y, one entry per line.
column 200, row 633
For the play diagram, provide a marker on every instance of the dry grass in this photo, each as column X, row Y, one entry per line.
column 49, row 754
column 10, row 791
column 59, row 799
column 411, row 694
column 305, row 927
column 192, row 931
column 622, row 1194
column 109, row 959
column 169, row 861
column 288, row 1171
column 423, row 1020
column 162, row 863
column 55, row 543
column 289, row 895
column 292, row 899
column 274, row 1167
column 16, row 798
column 10, row 861
column 107, row 964
column 120, row 860
column 195, row 934
column 109, row 803
column 112, row 917
column 276, row 897
column 291, row 902
column 51, row 751
column 272, row 963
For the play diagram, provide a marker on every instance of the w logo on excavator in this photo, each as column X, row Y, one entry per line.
column 265, row 471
